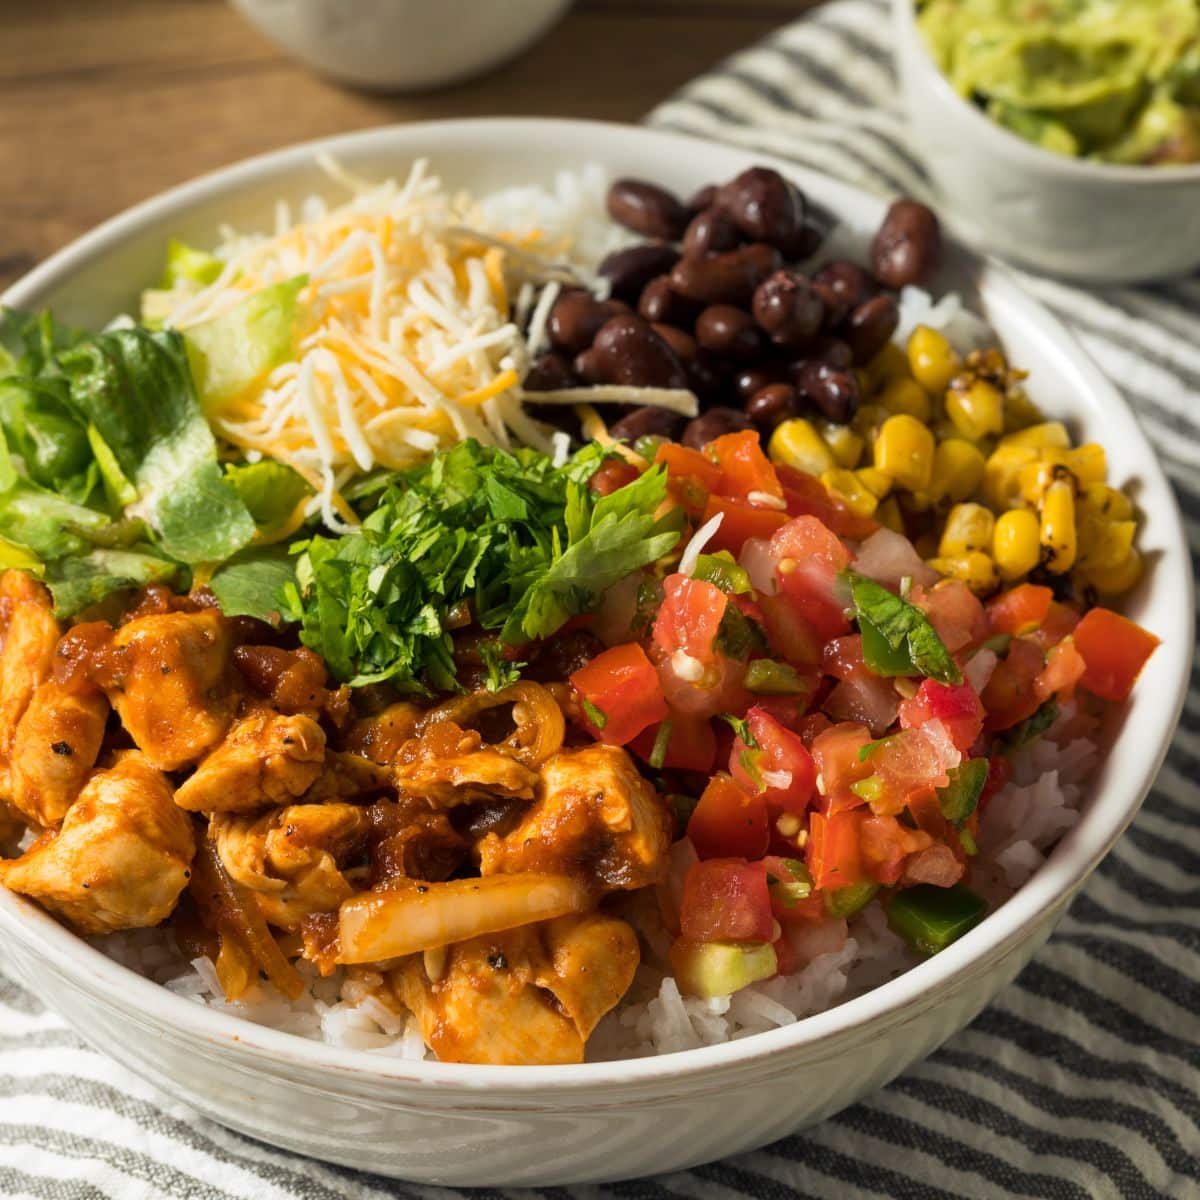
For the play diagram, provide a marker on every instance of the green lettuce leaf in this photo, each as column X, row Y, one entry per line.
column 270, row 491
column 253, row 583
column 78, row 582
column 186, row 264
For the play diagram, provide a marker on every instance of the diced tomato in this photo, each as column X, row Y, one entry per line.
column 780, row 769
column 789, row 711
column 834, row 856
column 885, row 844
column 1059, row 622
column 999, row 773
column 740, row 522
column 726, row 899
column 810, row 558
column 690, row 617
column 744, row 467
column 622, row 686
column 806, row 495
column 835, row 752
column 729, row 821
column 1010, row 696
column 811, row 728
column 843, row 656
column 1019, row 610
column 791, row 636
column 866, row 699
column 954, row 611
column 683, row 462
column 955, row 705
column 1063, row 670
column 612, row 475
column 811, row 908
column 785, row 956
column 911, row 760
column 691, row 746
column 1115, row 650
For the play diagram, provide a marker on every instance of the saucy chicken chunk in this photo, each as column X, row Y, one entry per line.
column 267, row 759
column 121, row 858
column 447, row 766
column 28, row 635
column 170, row 683
column 529, row 995
column 594, row 816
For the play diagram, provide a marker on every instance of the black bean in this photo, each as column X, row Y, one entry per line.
column 706, row 197
column 646, row 422
column 728, row 278
column 803, row 244
column 764, row 205
column 908, row 247
column 848, row 280
column 773, row 404
column 714, row 424
column 630, row 353
column 837, row 309
column 870, row 327
column 629, row 270
column 575, row 319
column 659, row 302
column 711, row 232
column 753, row 379
column 833, row 351
column 549, row 373
column 587, row 366
column 788, row 307
column 729, row 332
column 646, row 209
column 832, row 390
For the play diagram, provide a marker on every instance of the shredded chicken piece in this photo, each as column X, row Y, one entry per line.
column 447, row 766
column 267, row 759
column 595, row 817
column 54, row 749
column 381, row 737
column 345, row 776
column 28, row 635
column 121, row 858
column 170, row 683
column 291, row 858
column 528, row 996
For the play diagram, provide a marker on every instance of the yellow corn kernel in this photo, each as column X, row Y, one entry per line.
column 888, row 515
column 1106, row 501
column 932, row 359
column 868, row 419
column 1048, row 434
column 974, row 569
column 957, row 471
column 875, row 481
column 1103, row 544
column 1057, row 531
column 1015, row 543
column 1001, row 475
column 904, row 450
column 798, row 445
column 968, row 528
column 1088, row 463
column 1019, row 411
column 905, row 395
column 846, row 485
column 845, row 445
column 1118, row 579
column 890, row 363
column 977, row 410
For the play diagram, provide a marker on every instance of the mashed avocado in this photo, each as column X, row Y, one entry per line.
column 1113, row 80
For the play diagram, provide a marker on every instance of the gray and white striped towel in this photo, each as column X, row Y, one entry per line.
column 1082, row 1080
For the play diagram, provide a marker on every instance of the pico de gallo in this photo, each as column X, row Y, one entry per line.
column 830, row 717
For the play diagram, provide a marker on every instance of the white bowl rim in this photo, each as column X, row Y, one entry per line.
column 1053, row 884
column 1037, row 157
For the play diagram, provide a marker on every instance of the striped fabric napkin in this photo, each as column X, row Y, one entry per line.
column 1082, row 1080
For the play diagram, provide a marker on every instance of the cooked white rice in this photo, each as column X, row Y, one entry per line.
column 1020, row 826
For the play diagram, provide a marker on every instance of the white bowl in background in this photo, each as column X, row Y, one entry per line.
column 505, row 1126
column 1064, row 216
column 402, row 45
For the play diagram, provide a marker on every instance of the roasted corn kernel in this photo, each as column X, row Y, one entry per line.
column 1117, row 579
column 797, row 444
column 904, row 450
column 1102, row 544
column 1015, row 543
column 889, row 516
column 890, row 363
column 1001, row 475
column 1019, row 411
column 1106, row 501
column 932, row 359
column 957, row 471
column 977, row 410
column 1057, row 530
column 1088, row 463
column 849, row 488
column 904, row 395
column 875, row 481
column 968, row 528
column 1046, row 435
column 845, row 445
column 975, row 569
column 868, row 420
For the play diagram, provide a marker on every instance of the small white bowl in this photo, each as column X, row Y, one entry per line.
column 467, row 1125
column 1063, row 216
column 402, row 45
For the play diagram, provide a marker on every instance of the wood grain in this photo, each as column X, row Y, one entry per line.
column 106, row 102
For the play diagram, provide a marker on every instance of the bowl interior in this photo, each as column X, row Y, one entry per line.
column 102, row 274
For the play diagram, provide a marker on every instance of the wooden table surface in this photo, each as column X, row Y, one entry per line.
column 105, row 102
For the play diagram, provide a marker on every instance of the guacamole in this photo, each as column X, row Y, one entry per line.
column 1112, row 80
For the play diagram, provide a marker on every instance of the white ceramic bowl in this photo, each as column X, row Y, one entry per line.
column 402, row 45
column 499, row 1126
column 1064, row 216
